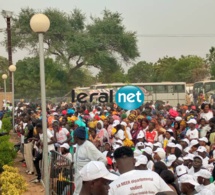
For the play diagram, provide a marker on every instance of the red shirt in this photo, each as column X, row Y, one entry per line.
column 150, row 136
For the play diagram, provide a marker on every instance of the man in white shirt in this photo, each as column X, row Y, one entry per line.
column 85, row 152
column 134, row 181
column 192, row 132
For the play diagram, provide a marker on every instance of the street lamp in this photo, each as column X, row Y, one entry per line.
column 8, row 15
column 4, row 77
column 12, row 69
column 40, row 23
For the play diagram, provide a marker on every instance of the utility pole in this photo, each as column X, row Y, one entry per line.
column 8, row 16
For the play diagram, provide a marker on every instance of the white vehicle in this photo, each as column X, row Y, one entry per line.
column 172, row 92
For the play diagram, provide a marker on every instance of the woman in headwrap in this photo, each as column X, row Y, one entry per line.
column 102, row 132
column 134, row 132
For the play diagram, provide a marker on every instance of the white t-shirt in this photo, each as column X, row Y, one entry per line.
column 120, row 134
column 204, row 130
column 138, row 182
column 193, row 134
column 61, row 135
column 49, row 136
column 207, row 116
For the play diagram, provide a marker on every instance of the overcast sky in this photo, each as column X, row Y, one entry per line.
column 146, row 17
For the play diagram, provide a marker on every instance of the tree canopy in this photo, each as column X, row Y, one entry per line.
column 75, row 43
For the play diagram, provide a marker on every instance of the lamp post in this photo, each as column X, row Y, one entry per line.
column 40, row 23
column 4, row 77
column 12, row 69
column 8, row 15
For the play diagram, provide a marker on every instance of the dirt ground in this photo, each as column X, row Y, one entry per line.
column 32, row 189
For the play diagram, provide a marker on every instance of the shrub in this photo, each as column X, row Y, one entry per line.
column 6, row 124
column 7, row 152
column 12, row 182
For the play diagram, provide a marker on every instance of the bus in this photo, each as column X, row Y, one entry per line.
column 172, row 92
column 206, row 87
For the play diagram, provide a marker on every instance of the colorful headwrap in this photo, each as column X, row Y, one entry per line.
column 131, row 117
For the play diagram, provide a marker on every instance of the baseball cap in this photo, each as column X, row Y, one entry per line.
column 115, row 123
column 158, row 144
column 169, row 130
column 188, row 157
column 95, row 170
column 170, row 159
column 140, row 135
column 197, row 156
column 171, row 145
column 201, row 149
column 137, row 153
column 178, row 146
column 141, row 160
column 123, row 123
column 65, row 145
column 203, row 173
column 161, row 153
column 178, row 118
column 55, row 114
column 148, row 150
column 193, row 121
column 181, row 170
column 186, row 140
column 194, row 142
column 149, row 144
column 139, row 144
column 204, row 139
column 188, row 179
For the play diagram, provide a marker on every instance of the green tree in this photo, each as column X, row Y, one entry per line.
column 191, row 69
column 4, row 70
column 164, row 69
column 210, row 58
column 27, row 78
column 76, row 44
column 141, row 72
column 185, row 69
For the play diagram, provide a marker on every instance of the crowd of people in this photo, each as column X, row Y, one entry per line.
column 155, row 149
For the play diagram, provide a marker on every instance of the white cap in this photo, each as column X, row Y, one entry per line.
column 201, row 149
column 139, row 144
column 119, row 142
column 178, row 118
column 204, row 139
column 148, row 150
column 55, row 114
column 171, row 145
column 65, row 145
column 95, row 170
column 140, row 135
column 193, row 121
column 158, row 144
column 115, row 146
column 186, row 140
column 115, row 123
column 203, row 173
column 149, row 144
column 137, row 153
column 170, row 159
column 188, row 179
column 181, row 170
column 179, row 146
column 141, row 160
column 194, row 142
column 198, row 156
column 169, row 130
column 123, row 123
column 161, row 153
column 189, row 157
